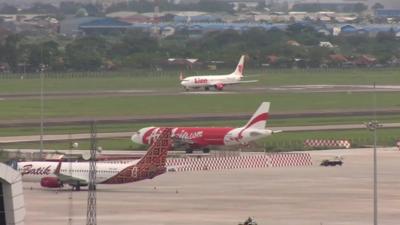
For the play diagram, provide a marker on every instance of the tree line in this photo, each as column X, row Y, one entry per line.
column 138, row 49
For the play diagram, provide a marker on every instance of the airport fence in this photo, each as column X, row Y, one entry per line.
column 298, row 145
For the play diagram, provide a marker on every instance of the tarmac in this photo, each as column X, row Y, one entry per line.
column 340, row 195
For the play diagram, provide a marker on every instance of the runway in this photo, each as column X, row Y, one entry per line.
column 323, row 88
column 272, row 196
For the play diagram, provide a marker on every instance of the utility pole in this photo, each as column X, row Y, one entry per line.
column 373, row 126
column 41, row 109
column 70, row 198
column 91, row 202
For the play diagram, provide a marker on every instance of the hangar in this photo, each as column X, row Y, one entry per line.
column 12, row 209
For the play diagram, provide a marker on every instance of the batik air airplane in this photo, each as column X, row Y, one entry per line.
column 216, row 81
column 76, row 174
column 203, row 137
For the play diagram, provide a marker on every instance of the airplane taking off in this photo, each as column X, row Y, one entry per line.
column 216, row 81
column 202, row 137
column 76, row 174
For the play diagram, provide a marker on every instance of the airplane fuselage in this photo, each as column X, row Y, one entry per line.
column 216, row 81
column 35, row 171
column 204, row 136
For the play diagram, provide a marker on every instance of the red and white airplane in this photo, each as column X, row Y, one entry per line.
column 216, row 81
column 76, row 174
column 202, row 137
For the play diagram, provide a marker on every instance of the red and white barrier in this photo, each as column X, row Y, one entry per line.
column 239, row 162
column 327, row 143
column 290, row 159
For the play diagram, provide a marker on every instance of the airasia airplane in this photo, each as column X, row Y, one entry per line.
column 76, row 174
column 215, row 81
column 202, row 137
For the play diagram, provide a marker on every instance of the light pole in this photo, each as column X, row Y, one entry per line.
column 373, row 126
column 41, row 109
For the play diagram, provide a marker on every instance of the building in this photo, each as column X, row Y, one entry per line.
column 12, row 209
column 387, row 13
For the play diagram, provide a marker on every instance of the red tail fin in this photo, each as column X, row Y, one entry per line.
column 157, row 153
column 152, row 164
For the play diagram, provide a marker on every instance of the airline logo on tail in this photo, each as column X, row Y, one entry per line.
column 259, row 119
column 151, row 165
column 240, row 69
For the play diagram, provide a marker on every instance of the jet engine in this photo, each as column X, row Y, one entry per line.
column 219, row 87
column 51, row 182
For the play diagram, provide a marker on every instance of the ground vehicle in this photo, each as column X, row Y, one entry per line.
column 332, row 162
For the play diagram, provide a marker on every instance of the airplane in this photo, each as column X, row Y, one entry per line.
column 203, row 137
column 215, row 81
column 53, row 174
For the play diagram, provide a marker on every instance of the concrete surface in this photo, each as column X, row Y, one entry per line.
column 274, row 196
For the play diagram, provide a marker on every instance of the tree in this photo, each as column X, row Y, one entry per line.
column 135, row 42
column 81, row 12
column 70, row 8
column 94, row 9
column 86, row 53
column 42, row 8
column 9, row 9
column 11, row 51
column 43, row 53
column 261, row 6
column 360, row 7
column 377, row 6
column 317, row 55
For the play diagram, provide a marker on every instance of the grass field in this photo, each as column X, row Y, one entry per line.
column 138, row 79
column 131, row 127
column 91, row 107
column 192, row 104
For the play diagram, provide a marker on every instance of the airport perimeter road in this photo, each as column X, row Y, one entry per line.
column 61, row 137
column 272, row 196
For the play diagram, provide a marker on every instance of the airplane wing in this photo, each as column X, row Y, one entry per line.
column 73, row 180
column 248, row 81
column 180, row 142
column 233, row 82
column 68, row 179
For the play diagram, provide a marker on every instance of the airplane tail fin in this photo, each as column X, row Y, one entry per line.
column 156, row 155
column 152, row 164
column 240, row 67
column 181, row 77
column 259, row 118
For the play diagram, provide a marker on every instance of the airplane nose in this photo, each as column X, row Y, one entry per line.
column 136, row 138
